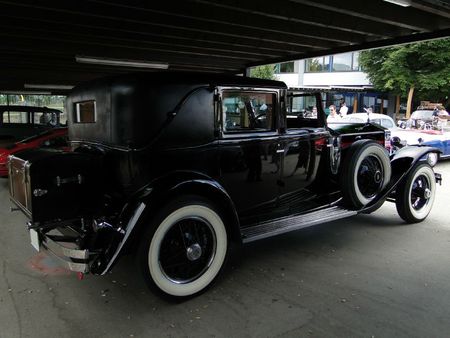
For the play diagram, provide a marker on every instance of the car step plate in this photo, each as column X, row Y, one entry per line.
column 287, row 224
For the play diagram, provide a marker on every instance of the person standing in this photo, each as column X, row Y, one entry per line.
column 333, row 117
column 344, row 109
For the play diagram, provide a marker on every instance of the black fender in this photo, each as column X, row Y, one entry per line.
column 402, row 162
column 153, row 196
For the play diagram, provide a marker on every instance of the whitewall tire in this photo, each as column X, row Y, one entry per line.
column 185, row 250
column 415, row 196
column 365, row 173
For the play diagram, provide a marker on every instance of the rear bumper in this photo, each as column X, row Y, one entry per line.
column 67, row 254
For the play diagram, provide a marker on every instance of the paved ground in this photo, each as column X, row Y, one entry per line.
column 367, row 276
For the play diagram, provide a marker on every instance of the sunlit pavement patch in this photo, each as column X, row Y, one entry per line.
column 46, row 265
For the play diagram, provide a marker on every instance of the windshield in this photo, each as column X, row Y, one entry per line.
column 422, row 114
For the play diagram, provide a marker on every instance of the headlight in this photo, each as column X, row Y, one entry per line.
column 432, row 159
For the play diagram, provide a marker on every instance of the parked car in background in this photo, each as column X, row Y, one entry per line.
column 380, row 119
column 20, row 122
column 181, row 169
column 426, row 119
column 54, row 138
column 432, row 138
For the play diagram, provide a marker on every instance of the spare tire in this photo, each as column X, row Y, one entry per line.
column 365, row 173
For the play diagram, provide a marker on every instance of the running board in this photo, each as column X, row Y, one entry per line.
column 287, row 224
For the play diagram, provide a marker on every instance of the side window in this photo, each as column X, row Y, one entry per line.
column 15, row 117
column 45, row 118
column 302, row 110
column 247, row 111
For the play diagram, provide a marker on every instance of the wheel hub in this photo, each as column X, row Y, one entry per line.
column 194, row 252
column 427, row 193
column 377, row 176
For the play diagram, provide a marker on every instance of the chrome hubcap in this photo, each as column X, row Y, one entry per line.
column 427, row 193
column 194, row 252
column 377, row 176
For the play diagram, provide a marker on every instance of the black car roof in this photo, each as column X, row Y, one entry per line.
column 178, row 78
column 28, row 108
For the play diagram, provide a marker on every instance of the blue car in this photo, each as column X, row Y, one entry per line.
column 433, row 138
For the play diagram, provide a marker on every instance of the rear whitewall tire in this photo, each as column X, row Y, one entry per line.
column 363, row 151
column 151, row 262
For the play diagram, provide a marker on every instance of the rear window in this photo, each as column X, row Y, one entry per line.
column 85, row 112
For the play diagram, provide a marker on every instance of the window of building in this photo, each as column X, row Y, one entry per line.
column 342, row 62
column 285, row 67
column 319, row 64
column 247, row 111
column 355, row 63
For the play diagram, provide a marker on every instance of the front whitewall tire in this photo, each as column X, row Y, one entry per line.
column 409, row 207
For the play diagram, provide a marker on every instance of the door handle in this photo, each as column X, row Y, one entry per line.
column 279, row 151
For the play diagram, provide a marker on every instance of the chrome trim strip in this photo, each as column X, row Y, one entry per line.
column 358, row 134
column 74, row 253
column 130, row 227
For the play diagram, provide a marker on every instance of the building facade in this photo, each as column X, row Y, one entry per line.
column 341, row 75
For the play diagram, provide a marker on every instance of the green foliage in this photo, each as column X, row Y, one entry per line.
column 263, row 72
column 423, row 65
column 51, row 101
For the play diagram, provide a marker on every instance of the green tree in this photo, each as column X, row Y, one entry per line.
column 422, row 69
column 263, row 72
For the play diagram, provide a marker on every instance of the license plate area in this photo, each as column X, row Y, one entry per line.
column 34, row 237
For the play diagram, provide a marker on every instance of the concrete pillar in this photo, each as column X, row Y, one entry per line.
column 301, row 71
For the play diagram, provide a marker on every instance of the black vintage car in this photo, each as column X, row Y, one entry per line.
column 178, row 168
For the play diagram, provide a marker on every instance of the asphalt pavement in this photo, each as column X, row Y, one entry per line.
column 367, row 276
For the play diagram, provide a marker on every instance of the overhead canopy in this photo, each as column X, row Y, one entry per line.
column 40, row 39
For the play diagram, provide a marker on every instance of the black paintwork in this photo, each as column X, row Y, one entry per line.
column 160, row 135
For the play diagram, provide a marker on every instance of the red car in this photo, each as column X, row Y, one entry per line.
column 53, row 138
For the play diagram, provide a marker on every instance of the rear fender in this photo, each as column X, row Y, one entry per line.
column 153, row 197
column 402, row 162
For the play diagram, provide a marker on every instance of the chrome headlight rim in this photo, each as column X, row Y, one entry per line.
column 432, row 158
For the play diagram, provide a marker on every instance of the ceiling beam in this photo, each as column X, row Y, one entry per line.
column 312, row 17
column 150, row 22
column 405, row 17
column 369, row 45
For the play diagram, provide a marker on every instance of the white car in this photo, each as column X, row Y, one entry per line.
column 380, row 119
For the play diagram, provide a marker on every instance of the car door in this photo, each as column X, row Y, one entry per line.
column 302, row 143
column 249, row 164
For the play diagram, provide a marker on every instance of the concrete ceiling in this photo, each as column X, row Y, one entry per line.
column 40, row 38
